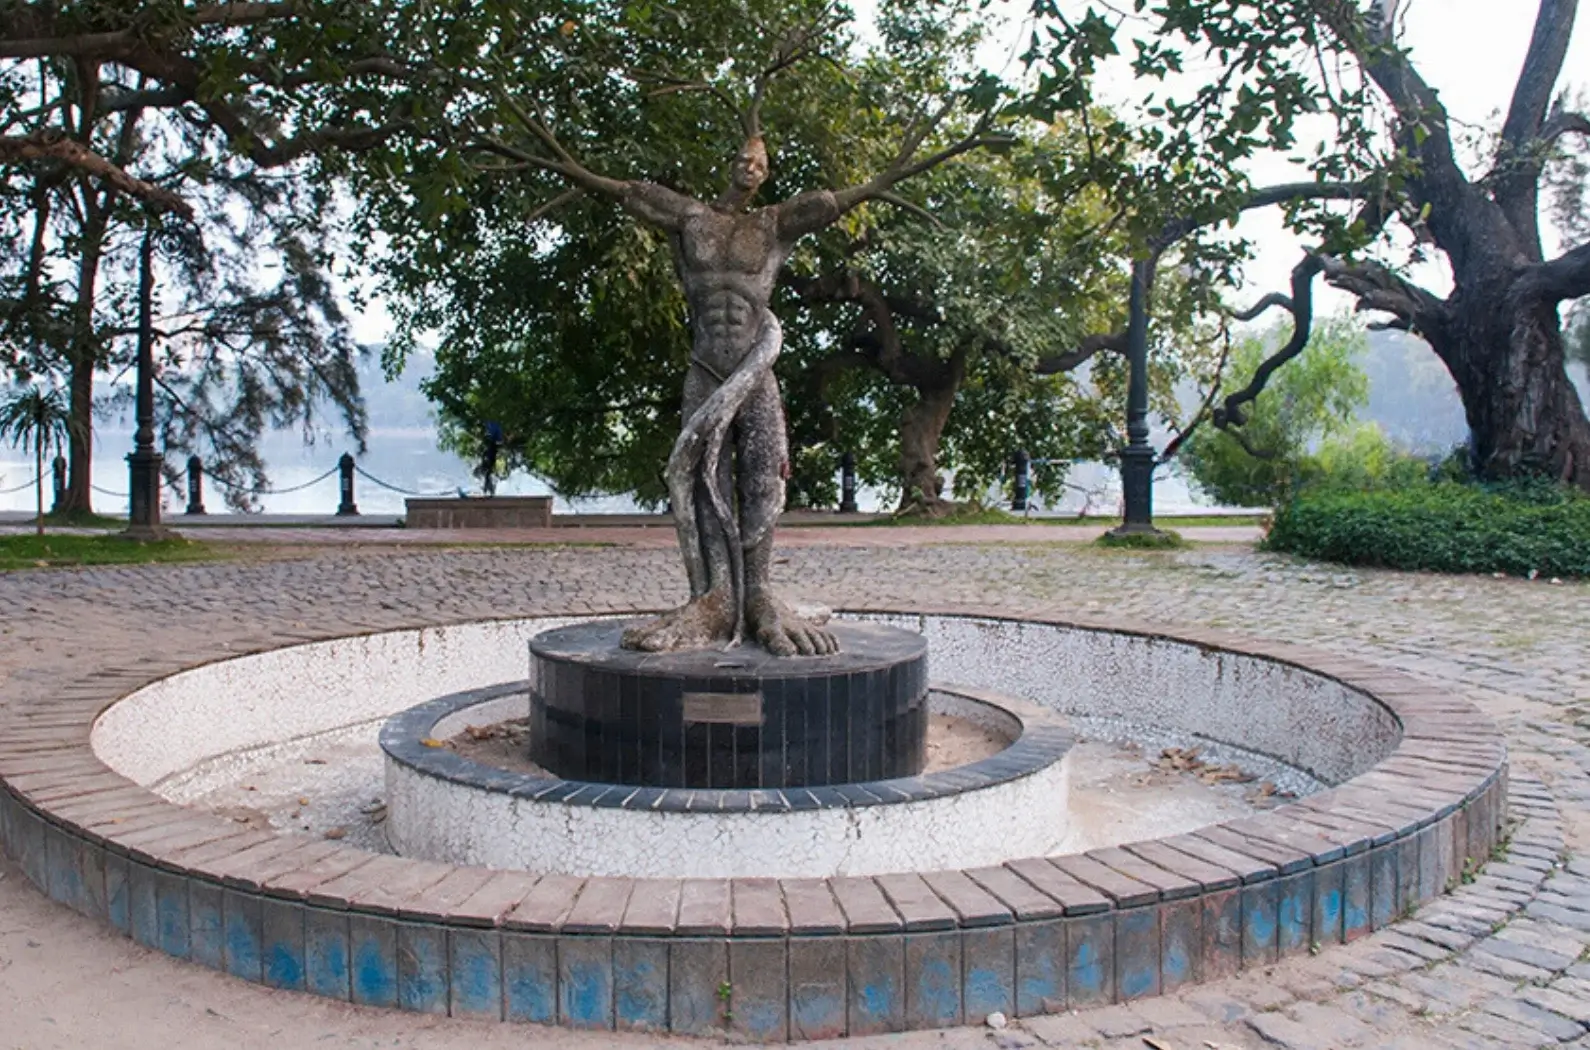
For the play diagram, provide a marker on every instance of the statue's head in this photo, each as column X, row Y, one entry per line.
column 747, row 172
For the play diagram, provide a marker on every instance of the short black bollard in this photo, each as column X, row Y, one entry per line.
column 347, row 508
column 1023, row 480
column 195, row 486
column 847, row 483
column 58, row 477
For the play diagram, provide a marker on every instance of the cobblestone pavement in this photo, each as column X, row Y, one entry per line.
column 1501, row 962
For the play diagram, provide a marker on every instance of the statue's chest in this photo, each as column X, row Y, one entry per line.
column 739, row 243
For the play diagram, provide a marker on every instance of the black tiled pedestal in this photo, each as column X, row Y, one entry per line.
column 737, row 718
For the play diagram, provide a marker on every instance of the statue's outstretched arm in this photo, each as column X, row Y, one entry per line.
column 658, row 205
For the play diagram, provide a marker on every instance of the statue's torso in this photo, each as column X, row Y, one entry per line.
column 728, row 263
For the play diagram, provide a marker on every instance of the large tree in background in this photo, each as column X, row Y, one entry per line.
column 1499, row 332
column 204, row 118
column 929, row 344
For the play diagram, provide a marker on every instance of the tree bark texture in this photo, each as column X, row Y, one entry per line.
column 921, row 429
column 1499, row 332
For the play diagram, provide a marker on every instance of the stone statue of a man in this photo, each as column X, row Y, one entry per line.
column 727, row 472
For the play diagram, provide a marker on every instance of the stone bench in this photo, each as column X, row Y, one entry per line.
column 493, row 512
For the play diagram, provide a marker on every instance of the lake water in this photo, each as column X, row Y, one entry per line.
column 408, row 459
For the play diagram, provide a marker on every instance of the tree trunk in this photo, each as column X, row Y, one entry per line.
column 1507, row 358
column 921, row 428
column 38, row 480
column 79, row 496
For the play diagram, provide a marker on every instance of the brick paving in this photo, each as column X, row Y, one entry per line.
column 1501, row 962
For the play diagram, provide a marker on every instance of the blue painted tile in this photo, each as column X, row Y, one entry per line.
column 759, row 989
column 282, row 943
column 327, row 954
column 144, row 907
column 640, row 984
column 877, row 984
column 1090, row 959
column 1295, row 913
column 697, row 968
column 118, row 902
column 529, row 977
column 243, row 939
column 1384, row 892
column 171, row 909
column 817, row 989
column 1181, row 944
column 585, row 982
column 372, row 961
column 1328, row 904
column 422, row 968
column 1222, row 935
column 476, row 973
column 933, row 980
column 989, row 968
column 1137, row 951
column 60, row 870
column 1356, row 896
column 1040, row 967
column 1260, row 924
column 206, row 932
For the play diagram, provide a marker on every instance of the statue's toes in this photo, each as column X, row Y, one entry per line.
column 804, row 639
column 777, row 641
column 828, row 644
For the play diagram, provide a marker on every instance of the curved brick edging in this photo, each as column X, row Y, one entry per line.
column 798, row 958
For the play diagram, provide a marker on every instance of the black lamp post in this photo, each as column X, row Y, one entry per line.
column 145, row 462
column 1138, row 458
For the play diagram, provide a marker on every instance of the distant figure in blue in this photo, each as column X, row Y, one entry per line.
column 488, row 458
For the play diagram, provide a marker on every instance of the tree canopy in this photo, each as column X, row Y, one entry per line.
column 1395, row 151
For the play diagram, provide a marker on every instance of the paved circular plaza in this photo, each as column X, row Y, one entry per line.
column 1495, row 964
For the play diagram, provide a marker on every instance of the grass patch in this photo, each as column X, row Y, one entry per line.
column 1163, row 540
column 46, row 552
column 963, row 516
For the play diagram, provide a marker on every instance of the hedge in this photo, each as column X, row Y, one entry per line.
column 1523, row 530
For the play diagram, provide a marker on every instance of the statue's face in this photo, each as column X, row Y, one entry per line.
column 748, row 170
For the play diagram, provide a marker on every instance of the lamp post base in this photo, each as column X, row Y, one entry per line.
column 143, row 525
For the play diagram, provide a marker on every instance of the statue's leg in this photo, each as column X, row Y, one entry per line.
column 709, row 617
column 764, row 464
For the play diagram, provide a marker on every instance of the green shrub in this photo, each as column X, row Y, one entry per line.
column 1523, row 528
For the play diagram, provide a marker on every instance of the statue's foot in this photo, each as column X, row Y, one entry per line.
column 782, row 632
column 700, row 623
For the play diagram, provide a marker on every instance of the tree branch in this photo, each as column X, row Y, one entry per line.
column 1230, row 412
column 1377, row 288
column 54, row 145
column 1565, row 277
column 1263, row 197
column 1562, row 122
column 1091, row 346
column 1548, row 47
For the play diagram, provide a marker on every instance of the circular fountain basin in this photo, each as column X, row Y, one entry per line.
column 444, row 806
column 1410, row 794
